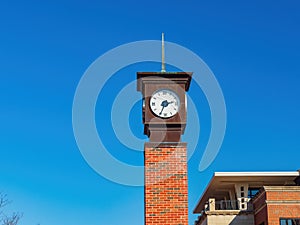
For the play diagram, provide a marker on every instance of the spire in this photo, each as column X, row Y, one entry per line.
column 163, row 66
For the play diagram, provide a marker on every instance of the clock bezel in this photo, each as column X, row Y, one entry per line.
column 174, row 94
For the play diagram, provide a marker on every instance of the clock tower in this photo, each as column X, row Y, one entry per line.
column 164, row 118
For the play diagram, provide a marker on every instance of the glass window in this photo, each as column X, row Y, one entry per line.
column 290, row 221
column 252, row 192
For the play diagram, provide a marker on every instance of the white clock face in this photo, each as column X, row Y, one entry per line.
column 164, row 103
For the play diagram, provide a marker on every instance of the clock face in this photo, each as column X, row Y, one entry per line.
column 164, row 103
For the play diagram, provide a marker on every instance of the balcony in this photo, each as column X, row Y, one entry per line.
column 227, row 209
column 227, row 205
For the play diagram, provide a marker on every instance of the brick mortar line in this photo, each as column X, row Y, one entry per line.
column 283, row 202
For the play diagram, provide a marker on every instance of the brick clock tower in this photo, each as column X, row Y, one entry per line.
column 164, row 118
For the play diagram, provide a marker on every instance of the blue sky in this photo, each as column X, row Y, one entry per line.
column 252, row 47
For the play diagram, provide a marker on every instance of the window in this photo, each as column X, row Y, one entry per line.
column 252, row 192
column 290, row 221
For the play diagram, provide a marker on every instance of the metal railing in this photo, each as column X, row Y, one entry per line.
column 213, row 205
column 227, row 205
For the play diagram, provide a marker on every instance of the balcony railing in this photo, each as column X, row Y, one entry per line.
column 226, row 205
column 215, row 206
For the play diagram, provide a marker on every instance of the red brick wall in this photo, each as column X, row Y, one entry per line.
column 261, row 214
column 166, row 194
column 261, row 217
column 275, row 212
column 275, row 203
column 278, row 210
column 287, row 195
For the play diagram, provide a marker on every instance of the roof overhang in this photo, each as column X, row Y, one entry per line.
column 225, row 181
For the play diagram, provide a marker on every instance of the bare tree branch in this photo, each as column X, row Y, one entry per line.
column 4, row 219
column 11, row 220
column 3, row 200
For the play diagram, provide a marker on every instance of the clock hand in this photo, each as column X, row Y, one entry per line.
column 163, row 104
column 161, row 110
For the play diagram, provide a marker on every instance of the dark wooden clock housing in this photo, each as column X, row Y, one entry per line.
column 164, row 129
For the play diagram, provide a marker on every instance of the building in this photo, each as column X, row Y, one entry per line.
column 165, row 156
column 251, row 198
